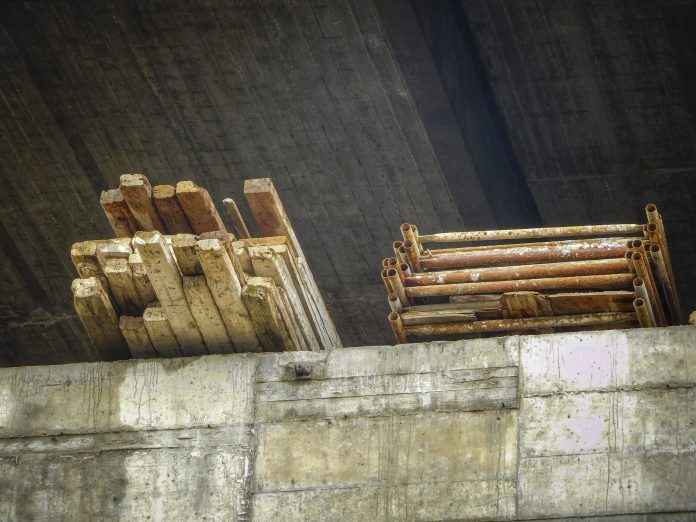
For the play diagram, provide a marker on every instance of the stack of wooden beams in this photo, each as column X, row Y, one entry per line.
column 530, row 280
column 176, row 282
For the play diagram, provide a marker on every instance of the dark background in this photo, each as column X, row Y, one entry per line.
column 366, row 113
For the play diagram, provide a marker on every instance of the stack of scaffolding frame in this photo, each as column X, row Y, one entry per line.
column 530, row 280
column 176, row 282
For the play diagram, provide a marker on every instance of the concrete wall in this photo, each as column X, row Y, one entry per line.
column 571, row 425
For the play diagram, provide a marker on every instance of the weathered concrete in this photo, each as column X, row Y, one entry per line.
column 538, row 427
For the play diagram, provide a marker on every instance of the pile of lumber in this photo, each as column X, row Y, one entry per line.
column 176, row 282
column 535, row 280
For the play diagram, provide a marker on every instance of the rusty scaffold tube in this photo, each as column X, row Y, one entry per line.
column 537, row 271
column 595, row 282
column 530, row 233
column 530, row 323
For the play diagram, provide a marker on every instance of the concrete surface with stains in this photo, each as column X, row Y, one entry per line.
column 529, row 427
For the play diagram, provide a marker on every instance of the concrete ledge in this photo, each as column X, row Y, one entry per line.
column 520, row 428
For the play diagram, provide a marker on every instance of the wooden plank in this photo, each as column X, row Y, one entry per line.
column 99, row 318
column 166, row 280
column 226, row 240
column 184, row 247
column 198, row 207
column 160, row 332
column 141, row 280
column 263, row 302
column 525, row 304
column 291, row 325
column 207, row 315
column 227, row 292
column 108, row 251
column 414, row 317
column 118, row 213
column 313, row 304
column 240, row 250
column 477, row 301
column 137, row 339
column 268, row 262
column 122, row 287
column 137, row 192
column 169, row 210
column 236, row 217
column 591, row 302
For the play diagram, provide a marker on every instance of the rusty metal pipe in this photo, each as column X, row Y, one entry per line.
column 531, row 233
column 407, row 232
column 386, row 282
column 396, row 245
column 642, row 292
column 394, row 303
column 530, row 323
column 412, row 255
column 414, row 230
column 538, row 271
column 405, row 269
column 656, row 255
column 656, row 218
column 643, row 271
column 608, row 282
column 402, row 257
column 642, row 313
column 558, row 251
column 397, row 327
column 629, row 261
column 481, row 248
column 397, row 287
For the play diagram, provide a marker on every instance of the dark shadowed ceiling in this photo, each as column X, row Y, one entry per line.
column 366, row 113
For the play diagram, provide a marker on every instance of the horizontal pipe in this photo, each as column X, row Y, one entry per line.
column 557, row 251
column 529, row 323
column 497, row 246
column 530, row 233
column 570, row 268
column 608, row 281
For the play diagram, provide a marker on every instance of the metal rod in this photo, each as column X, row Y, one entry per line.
column 609, row 281
column 531, row 233
column 396, row 245
column 656, row 218
column 397, row 287
column 394, row 303
column 405, row 269
column 397, row 327
column 499, row 325
column 497, row 246
column 414, row 231
column 656, row 255
column 642, row 313
column 643, row 271
column 402, row 257
column 558, row 251
column 386, row 282
column 570, row 268
column 412, row 255
column 642, row 292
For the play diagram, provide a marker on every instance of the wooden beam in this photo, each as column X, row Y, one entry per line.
column 207, row 315
column 99, row 318
column 160, row 332
column 261, row 298
column 118, row 213
column 123, row 287
column 236, row 217
column 184, row 247
column 169, row 210
column 137, row 192
column 272, row 219
column 269, row 262
column 105, row 252
column 240, row 251
column 141, row 281
column 198, row 207
column 136, row 336
column 226, row 240
column 227, row 292
column 166, row 280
